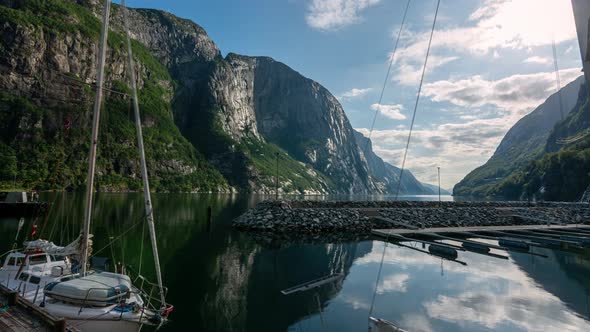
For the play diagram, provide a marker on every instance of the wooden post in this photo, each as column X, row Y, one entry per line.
column 438, row 168
column 60, row 326
column 12, row 298
column 277, row 179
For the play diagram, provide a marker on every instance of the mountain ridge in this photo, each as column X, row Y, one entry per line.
column 523, row 143
column 239, row 117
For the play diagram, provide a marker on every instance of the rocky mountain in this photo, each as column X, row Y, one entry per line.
column 561, row 172
column 212, row 123
column 524, row 142
column 386, row 175
column 48, row 54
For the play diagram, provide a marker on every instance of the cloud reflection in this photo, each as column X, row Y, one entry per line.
column 394, row 283
column 491, row 293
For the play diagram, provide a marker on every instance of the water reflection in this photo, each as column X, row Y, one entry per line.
column 223, row 280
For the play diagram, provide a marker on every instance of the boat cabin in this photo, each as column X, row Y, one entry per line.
column 41, row 262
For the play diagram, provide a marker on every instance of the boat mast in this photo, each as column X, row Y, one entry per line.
column 144, row 174
column 94, row 138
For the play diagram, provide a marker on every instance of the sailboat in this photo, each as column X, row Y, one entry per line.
column 58, row 279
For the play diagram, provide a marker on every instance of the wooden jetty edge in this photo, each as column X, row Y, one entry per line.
column 19, row 314
column 425, row 231
column 518, row 238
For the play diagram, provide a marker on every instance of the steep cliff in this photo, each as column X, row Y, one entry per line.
column 251, row 118
column 257, row 102
column 524, row 142
column 387, row 175
column 561, row 172
column 48, row 53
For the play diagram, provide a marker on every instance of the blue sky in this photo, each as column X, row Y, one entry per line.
column 491, row 63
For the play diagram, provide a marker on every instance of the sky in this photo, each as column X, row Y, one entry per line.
column 490, row 64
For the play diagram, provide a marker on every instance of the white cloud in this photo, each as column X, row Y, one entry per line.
column 456, row 147
column 335, row 14
column 467, row 117
column 354, row 93
column 394, row 283
column 538, row 59
column 517, row 92
column 497, row 24
column 500, row 24
column 410, row 71
column 390, row 111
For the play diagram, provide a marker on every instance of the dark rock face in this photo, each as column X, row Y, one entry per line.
column 239, row 111
column 171, row 39
column 47, row 73
column 244, row 98
column 387, row 175
column 306, row 120
column 524, row 142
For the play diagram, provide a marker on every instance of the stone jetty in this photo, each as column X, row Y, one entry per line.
column 305, row 218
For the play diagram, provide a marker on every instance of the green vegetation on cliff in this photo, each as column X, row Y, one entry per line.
column 524, row 143
column 294, row 176
column 563, row 170
column 40, row 151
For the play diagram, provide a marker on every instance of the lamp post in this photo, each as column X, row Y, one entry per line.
column 15, row 172
column 439, row 200
column 277, row 179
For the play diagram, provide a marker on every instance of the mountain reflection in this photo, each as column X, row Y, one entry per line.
column 565, row 275
column 223, row 280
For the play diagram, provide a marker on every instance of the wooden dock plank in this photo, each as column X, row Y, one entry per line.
column 25, row 316
column 442, row 230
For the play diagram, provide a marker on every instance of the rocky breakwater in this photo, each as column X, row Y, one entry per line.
column 281, row 217
column 304, row 218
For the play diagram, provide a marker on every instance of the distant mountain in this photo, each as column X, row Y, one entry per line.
column 387, row 175
column 434, row 189
column 524, row 142
column 562, row 171
column 211, row 123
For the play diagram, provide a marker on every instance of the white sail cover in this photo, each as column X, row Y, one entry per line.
column 53, row 249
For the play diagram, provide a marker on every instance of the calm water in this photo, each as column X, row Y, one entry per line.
column 223, row 280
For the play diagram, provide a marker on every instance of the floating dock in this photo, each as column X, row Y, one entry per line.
column 510, row 238
column 475, row 229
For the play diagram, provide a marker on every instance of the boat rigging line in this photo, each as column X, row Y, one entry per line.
column 417, row 101
column 387, row 76
column 375, row 288
column 144, row 173
column 369, row 140
column 94, row 138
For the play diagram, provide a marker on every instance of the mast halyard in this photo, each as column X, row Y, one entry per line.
column 94, row 138
column 144, row 173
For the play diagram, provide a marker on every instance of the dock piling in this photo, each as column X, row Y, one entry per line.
column 12, row 298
